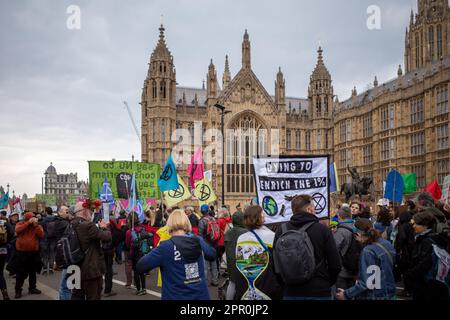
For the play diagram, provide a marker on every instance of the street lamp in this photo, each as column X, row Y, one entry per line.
column 223, row 112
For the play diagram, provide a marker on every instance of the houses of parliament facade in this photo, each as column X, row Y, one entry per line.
column 402, row 124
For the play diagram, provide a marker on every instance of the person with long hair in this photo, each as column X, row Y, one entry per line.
column 383, row 224
column 376, row 262
column 254, row 260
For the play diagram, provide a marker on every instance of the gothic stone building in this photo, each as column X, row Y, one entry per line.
column 400, row 124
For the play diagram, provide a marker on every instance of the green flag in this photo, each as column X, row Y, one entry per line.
column 409, row 182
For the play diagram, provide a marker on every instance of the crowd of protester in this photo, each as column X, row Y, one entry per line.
column 360, row 253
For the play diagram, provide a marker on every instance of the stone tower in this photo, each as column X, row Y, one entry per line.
column 158, row 104
column 320, row 97
column 427, row 38
column 280, row 91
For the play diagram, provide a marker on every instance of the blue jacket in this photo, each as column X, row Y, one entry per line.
column 374, row 255
column 182, row 267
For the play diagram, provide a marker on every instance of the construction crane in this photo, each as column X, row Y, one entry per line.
column 132, row 120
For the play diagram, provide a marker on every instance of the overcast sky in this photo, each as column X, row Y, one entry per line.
column 61, row 90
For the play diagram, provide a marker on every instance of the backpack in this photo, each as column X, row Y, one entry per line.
column 440, row 270
column 294, row 255
column 68, row 250
column 212, row 229
column 350, row 259
column 3, row 234
column 142, row 242
column 51, row 229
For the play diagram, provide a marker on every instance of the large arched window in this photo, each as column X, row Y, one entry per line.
column 246, row 137
column 154, row 90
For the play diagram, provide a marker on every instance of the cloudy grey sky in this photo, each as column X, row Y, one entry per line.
column 61, row 90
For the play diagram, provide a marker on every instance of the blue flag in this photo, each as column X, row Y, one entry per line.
column 394, row 187
column 4, row 200
column 168, row 179
column 132, row 201
column 106, row 194
column 334, row 185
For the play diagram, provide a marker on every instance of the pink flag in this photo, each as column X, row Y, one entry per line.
column 195, row 169
column 124, row 203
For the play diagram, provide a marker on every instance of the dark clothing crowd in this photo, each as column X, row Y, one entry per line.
column 358, row 254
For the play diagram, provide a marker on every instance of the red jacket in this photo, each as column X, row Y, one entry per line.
column 28, row 236
column 222, row 225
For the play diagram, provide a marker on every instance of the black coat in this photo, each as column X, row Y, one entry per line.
column 328, row 263
column 421, row 263
column 404, row 242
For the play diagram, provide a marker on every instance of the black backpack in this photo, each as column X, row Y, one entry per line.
column 68, row 249
column 294, row 255
column 350, row 259
column 51, row 229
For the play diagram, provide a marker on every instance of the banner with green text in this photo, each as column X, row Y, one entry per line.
column 119, row 174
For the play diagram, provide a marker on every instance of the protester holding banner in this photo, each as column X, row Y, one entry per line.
column 254, row 260
column 317, row 285
column 181, row 261
column 379, row 253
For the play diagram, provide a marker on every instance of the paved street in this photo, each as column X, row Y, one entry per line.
column 49, row 285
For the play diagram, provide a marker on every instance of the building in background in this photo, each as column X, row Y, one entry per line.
column 63, row 185
column 402, row 124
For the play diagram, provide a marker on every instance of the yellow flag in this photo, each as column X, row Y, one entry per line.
column 204, row 192
column 172, row 197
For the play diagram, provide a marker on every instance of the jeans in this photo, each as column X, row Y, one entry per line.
column 48, row 253
column 307, row 298
column 64, row 292
column 212, row 269
column 109, row 271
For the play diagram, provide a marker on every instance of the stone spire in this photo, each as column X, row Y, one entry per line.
column 246, row 58
column 280, row 90
column 211, row 81
column 226, row 78
column 320, row 72
column 375, row 82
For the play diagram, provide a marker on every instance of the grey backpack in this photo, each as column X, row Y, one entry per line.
column 294, row 255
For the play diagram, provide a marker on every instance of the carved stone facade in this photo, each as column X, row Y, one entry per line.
column 401, row 124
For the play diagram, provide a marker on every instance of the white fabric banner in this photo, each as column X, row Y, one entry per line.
column 278, row 180
column 446, row 189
